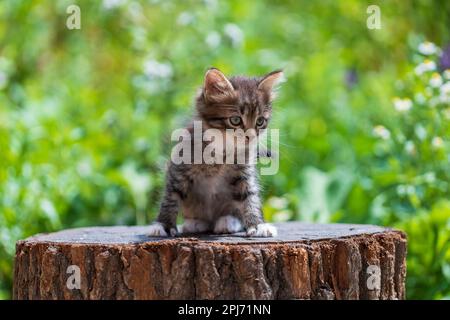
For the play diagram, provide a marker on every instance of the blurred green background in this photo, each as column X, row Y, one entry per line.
column 86, row 115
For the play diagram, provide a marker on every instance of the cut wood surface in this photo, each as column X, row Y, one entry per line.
column 306, row 261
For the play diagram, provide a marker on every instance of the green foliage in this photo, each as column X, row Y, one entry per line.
column 86, row 115
column 411, row 163
column 429, row 252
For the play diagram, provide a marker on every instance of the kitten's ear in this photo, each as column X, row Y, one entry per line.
column 217, row 86
column 269, row 83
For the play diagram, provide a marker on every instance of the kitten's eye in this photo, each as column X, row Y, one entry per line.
column 235, row 121
column 260, row 121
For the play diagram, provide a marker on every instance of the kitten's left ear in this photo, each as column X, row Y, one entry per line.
column 269, row 83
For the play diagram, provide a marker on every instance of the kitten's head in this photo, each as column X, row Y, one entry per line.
column 237, row 102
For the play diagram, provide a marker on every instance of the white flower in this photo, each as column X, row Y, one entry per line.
column 213, row 39
column 428, row 48
column 425, row 66
column 436, row 80
column 437, row 142
column 419, row 98
column 410, row 148
column 381, row 132
column 154, row 69
column 444, row 93
column 445, row 88
column 156, row 76
column 235, row 34
column 420, row 131
column 402, row 105
column 430, row 177
column 84, row 168
column 185, row 18
column 446, row 74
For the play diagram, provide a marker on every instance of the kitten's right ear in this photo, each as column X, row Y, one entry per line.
column 217, row 86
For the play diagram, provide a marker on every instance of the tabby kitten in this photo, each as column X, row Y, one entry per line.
column 223, row 198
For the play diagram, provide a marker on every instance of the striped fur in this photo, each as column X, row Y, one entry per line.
column 209, row 192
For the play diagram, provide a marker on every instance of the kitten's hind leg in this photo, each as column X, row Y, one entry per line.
column 228, row 224
column 194, row 226
column 166, row 223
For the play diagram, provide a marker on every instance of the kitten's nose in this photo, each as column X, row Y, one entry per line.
column 250, row 135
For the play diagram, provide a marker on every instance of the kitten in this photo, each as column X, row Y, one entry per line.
column 223, row 198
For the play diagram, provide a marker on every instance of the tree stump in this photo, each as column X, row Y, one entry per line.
column 306, row 261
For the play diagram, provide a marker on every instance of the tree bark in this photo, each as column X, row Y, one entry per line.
column 306, row 261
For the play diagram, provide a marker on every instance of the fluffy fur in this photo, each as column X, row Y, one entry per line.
column 221, row 198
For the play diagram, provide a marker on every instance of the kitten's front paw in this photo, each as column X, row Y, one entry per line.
column 227, row 224
column 157, row 230
column 262, row 230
